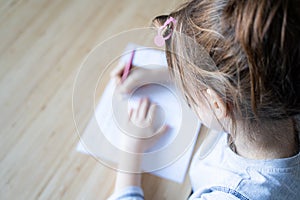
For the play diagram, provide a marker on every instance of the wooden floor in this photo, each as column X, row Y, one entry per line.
column 42, row 43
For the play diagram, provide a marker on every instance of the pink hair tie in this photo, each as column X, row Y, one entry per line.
column 159, row 40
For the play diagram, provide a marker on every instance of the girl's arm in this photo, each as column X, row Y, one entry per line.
column 141, row 136
column 140, row 126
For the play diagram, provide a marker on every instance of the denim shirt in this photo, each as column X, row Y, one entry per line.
column 222, row 174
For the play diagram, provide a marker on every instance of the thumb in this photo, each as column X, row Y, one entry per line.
column 157, row 136
column 161, row 131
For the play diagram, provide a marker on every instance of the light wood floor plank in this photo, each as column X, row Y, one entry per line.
column 42, row 44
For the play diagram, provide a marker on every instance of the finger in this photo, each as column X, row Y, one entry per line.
column 116, row 80
column 164, row 129
column 140, row 102
column 133, row 115
column 151, row 112
column 143, row 108
column 118, row 70
column 130, row 83
column 130, row 113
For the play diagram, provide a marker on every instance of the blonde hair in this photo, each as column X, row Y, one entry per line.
column 255, row 46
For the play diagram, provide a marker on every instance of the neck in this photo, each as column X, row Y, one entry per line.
column 274, row 139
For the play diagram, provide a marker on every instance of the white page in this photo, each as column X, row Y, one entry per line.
column 166, row 97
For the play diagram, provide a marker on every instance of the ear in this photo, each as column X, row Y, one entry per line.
column 159, row 20
column 217, row 105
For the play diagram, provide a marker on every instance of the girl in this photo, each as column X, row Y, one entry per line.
column 253, row 95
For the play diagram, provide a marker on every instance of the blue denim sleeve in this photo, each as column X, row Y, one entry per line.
column 128, row 193
column 216, row 195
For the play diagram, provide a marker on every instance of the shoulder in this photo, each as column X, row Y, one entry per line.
column 236, row 177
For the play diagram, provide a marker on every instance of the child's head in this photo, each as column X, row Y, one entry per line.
column 255, row 46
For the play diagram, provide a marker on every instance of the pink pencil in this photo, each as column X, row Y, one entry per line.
column 128, row 66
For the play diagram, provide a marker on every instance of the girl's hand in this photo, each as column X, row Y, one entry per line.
column 141, row 133
column 138, row 76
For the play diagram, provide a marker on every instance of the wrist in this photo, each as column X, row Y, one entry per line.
column 130, row 162
column 131, row 144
